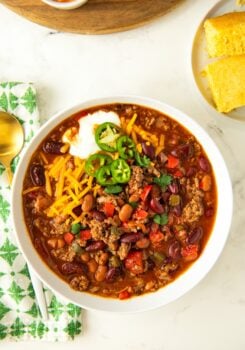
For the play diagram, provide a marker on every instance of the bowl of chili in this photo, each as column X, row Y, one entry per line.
column 136, row 223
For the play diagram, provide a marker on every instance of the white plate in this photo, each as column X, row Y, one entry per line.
column 199, row 56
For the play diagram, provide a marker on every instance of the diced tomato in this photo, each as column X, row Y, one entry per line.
column 140, row 214
column 134, row 262
column 85, row 235
column 156, row 236
column 178, row 173
column 190, row 252
column 68, row 237
column 145, row 193
column 109, row 209
column 173, row 162
column 124, row 295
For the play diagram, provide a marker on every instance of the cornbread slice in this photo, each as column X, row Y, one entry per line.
column 225, row 35
column 240, row 2
column 226, row 79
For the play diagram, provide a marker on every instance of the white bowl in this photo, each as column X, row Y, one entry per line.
column 70, row 5
column 185, row 281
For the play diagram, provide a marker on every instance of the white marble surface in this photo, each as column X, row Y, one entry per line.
column 153, row 61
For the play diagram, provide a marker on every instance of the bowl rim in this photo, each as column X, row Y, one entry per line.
column 186, row 281
column 72, row 4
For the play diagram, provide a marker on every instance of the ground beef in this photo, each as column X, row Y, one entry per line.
column 42, row 202
column 194, row 209
column 153, row 171
column 80, row 283
column 123, row 250
column 162, row 276
column 64, row 254
column 43, row 225
column 59, row 229
column 136, row 179
column 97, row 229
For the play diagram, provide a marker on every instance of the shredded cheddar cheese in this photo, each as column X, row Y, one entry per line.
column 129, row 127
column 28, row 190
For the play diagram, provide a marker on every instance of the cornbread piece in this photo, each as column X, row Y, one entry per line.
column 226, row 79
column 225, row 35
column 240, row 2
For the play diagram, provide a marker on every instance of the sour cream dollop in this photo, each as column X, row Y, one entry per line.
column 83, row 143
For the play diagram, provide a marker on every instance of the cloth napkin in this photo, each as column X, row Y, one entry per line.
column 20, row 318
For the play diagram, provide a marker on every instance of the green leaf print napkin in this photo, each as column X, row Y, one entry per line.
column 19, row 314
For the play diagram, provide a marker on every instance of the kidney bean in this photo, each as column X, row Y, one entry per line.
column 97, row 245
column 155, row 192
column 112, row 274
column 77, row 211
column 162, row 158
column 191, row 171
column 176, row 210
column 88, row 202
column 37, row 175
column 150, row 264
column 209, row 212
column 156, row 206
column 98, row 215
column 125, row 212
column 165, row 196
column 174, row 187
column 148, row 150
column 130, row 237
column 53, row 147
column 204, row 164
column 195, row 235
column 69, row 268
column 174, row 250
column 183, row 151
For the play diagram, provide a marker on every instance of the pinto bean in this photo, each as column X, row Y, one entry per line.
column 143, row 243
column 97, row 245
column 56, row 243
column 206, row 183
column 92, row 265
column 125, row 212
column 134, row 197
column 100, row 274
column 53, row 147
column 130, row 237
column 195, row 235
column 85, row 257
column 88, row 203
column 103, row 258
column 37, row 175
